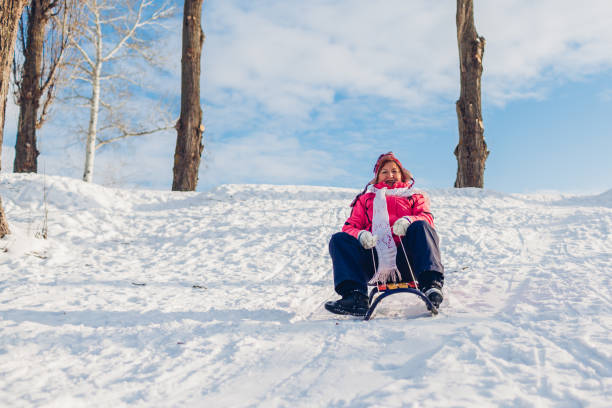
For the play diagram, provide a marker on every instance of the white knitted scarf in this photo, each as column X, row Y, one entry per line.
column 385, row 246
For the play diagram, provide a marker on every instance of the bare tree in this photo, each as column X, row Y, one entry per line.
column 472, row 150
column 189, row 127
column 43, row 50
column 10, row 10
column 116, row 30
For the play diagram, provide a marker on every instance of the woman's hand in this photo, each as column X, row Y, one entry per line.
column 366, row 239
column 400, row 226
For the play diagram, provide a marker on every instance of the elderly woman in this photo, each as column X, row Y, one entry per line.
column 387, row 211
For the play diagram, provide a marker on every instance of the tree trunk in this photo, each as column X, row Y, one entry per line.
column 10, row 11
column 94, row 104
column 26, row 153
column 472, row 150
column 4, row 229
column 94, row 107
column 189, row 126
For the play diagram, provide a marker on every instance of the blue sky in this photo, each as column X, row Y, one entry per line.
column 312, row 92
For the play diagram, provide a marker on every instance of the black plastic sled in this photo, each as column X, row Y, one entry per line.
column 380, row 292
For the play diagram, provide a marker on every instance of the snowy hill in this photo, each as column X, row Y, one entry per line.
column 149, row 298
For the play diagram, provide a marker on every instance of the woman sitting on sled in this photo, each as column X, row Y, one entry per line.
column 386, row 211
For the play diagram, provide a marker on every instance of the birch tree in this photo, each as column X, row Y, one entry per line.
column 44, row 33
column 472, row 150
column 116, row 30
column 189, row 127
column 10, row 11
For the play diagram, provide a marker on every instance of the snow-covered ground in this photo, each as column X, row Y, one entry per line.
column 105, row 313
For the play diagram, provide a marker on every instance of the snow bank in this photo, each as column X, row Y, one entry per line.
column 154, row 298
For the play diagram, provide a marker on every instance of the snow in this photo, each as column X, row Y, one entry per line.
column 105, row 313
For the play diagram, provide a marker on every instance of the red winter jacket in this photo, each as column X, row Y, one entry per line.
column 416, row 207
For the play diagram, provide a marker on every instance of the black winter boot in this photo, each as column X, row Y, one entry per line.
column 353, row 303
column 434, row 293
column 431, row 286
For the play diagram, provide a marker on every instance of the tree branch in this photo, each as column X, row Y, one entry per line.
column 126, row 134
column 84, row 54
column 127, row 36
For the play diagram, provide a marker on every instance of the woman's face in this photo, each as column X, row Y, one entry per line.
column 389, row 174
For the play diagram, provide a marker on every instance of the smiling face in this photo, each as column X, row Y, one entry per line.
column 389, row 174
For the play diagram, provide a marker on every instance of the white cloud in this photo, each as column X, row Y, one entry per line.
column 293, row 57
column 606, row 95
column 531, row 43
column 268, row 159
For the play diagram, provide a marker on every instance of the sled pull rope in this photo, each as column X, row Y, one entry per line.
column 373, row 261
column 416, row 285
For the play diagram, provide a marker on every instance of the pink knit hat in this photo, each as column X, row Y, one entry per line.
column 387, row 157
